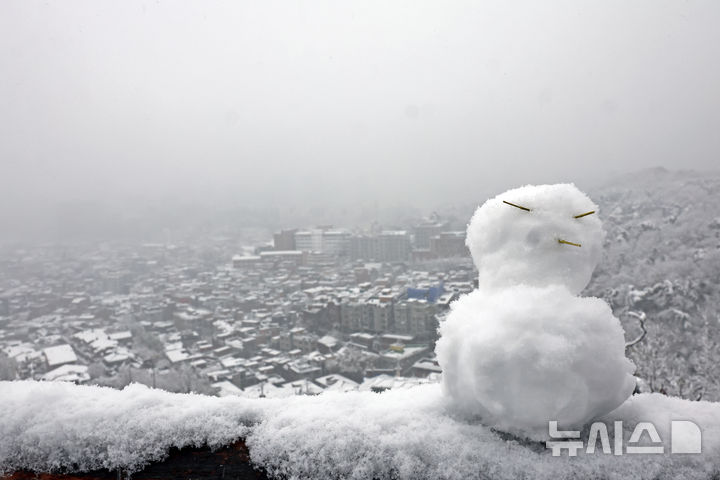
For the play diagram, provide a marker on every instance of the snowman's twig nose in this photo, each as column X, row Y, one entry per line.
column 565, row 242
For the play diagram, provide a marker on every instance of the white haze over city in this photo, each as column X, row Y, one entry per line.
column 169, row 104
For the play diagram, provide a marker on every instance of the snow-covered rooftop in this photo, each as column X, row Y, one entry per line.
column 176, row 355
column 122, row 335
column 21, row 352
column 59, row 355
column 91, row 335
column 227, row 388
column 336, row 383
column 402, row 433
column 68, row 373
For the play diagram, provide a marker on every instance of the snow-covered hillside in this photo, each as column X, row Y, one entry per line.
column 407, row 433
column 660, row 225
column 662, row 258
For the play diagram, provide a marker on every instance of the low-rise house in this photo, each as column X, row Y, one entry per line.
column 68, row 373
column 336, row 383
column 425, row 367
column 59, row 355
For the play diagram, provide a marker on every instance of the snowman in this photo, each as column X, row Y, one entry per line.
column 524, row 349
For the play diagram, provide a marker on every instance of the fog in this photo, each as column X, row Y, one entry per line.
column 160, row 106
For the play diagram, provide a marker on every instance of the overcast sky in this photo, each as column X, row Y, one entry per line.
column 347, row 101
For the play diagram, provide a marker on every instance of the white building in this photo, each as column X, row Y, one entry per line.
column 331, row 242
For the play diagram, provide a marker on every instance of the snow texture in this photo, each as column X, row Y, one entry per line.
column 48, row 426
column 523, row 349
column 405, row 434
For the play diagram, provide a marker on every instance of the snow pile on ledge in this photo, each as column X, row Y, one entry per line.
column 410, row 434
column 51, row 426
column 397, row 434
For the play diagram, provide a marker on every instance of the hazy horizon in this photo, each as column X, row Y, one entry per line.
column 141, row 106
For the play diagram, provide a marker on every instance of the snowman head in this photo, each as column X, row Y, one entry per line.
column 536, row 235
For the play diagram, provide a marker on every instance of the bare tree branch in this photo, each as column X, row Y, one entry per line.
column 641, row 318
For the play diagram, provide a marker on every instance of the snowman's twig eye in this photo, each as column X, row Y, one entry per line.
column 516, row 206
column 585, row 214
column 565, row 242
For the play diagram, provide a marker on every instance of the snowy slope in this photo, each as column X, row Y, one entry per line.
column 662, row 258
column 397, row 434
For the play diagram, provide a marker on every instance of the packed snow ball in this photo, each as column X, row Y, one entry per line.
column 515, row 238
column 523, row 349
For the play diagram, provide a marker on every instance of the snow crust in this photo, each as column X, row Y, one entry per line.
column 406, row 434
column 523, row 349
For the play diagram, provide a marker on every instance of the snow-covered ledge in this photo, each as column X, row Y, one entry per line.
column 412, row 433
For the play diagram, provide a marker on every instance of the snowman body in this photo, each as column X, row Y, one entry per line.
column 524, row 349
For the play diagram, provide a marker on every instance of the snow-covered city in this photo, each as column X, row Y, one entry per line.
column 280, row 321
column 406, row 240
